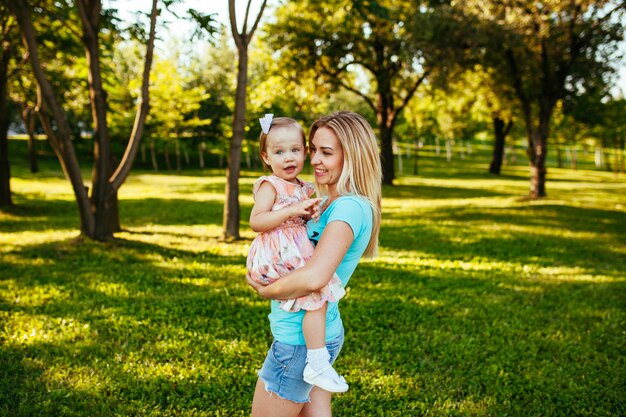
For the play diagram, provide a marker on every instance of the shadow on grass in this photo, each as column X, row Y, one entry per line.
column 425, row 192
column 36, row 215
column 546, row 235
column 499, row 345
column 465, row 170
column 136, row 328
column 132, row 326
column 32, row 213
column 170, row 212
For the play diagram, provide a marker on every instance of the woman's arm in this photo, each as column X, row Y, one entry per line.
column 262, row 218
column 317, row 272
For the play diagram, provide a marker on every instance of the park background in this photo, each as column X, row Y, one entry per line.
column 486, row 299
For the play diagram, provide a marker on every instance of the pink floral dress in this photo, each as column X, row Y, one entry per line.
column 276, row 252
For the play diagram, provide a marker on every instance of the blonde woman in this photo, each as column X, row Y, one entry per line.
column 344, row 154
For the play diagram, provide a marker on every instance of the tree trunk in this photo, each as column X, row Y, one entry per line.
column 186, row 155
column 153, row 156
column 597, row 159
column 415, row 161
column 103, row 195
column 201, row 149
column 616, row 152
column 386, row 154
column 385, row 124
column 177, row 150
column 559, row 157
column 607, row 159
column 28, row 118
column 538, row 169
column 621, row 152
column 242, row 40
column 166, row 155
column 32, row 153
column 500, row 131
column 5, row 171
column 231, row 207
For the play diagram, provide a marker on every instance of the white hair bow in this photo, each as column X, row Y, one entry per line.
column 266, row 123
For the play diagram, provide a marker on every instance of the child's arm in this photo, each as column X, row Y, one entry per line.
column 262, row 218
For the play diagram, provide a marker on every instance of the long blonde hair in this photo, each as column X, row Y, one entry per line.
column 362, row 173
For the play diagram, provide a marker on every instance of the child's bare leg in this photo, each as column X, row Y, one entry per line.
column 319, row 371
column 314, row 328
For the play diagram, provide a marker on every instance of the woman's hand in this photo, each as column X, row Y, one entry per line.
column 260, row 289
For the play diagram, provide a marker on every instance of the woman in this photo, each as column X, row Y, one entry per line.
column 344, row 154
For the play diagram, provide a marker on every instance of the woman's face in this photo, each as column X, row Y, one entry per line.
column 326, row 158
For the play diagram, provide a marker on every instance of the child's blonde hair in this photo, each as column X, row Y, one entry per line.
column 362, row 172
column 277, row 123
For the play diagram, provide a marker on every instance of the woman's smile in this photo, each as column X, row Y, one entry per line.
column 326, row 158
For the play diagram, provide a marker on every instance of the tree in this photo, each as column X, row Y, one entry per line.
column 211, row 68
column 421, row 117
column 64, row 72
column 98, row 211
column 602, row 117
column 8, row 47
column 242, row 40
column 174, row 103
column 496, row 101
column 545, row 51
column 366, row 47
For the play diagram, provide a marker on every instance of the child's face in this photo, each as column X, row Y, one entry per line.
column 285, row 153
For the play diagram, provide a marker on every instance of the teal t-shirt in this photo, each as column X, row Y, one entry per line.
column 356, row 211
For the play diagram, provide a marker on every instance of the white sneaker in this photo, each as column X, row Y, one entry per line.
column 326, row 378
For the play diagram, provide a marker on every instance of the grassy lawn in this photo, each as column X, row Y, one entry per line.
column 480, row 303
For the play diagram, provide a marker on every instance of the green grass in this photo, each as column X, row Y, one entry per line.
column 480, row 304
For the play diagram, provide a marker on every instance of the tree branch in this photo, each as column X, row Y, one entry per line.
column 233, row 24
column 342, row 83
column 244, row 29
column 258, row 18
column 411, row 92
column 521, row 95
column 123, row 169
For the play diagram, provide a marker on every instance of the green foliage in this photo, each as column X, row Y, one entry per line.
column 364, row 47
column 207, row 27
column 479, row 304
column 213, row 68
column 173, row 100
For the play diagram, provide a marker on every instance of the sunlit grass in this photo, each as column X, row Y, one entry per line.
column 480, row 303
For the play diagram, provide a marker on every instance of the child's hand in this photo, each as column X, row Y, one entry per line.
column 315, row 212
column 305, row 208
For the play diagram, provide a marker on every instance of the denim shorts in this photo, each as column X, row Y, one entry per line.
column 284, row 365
